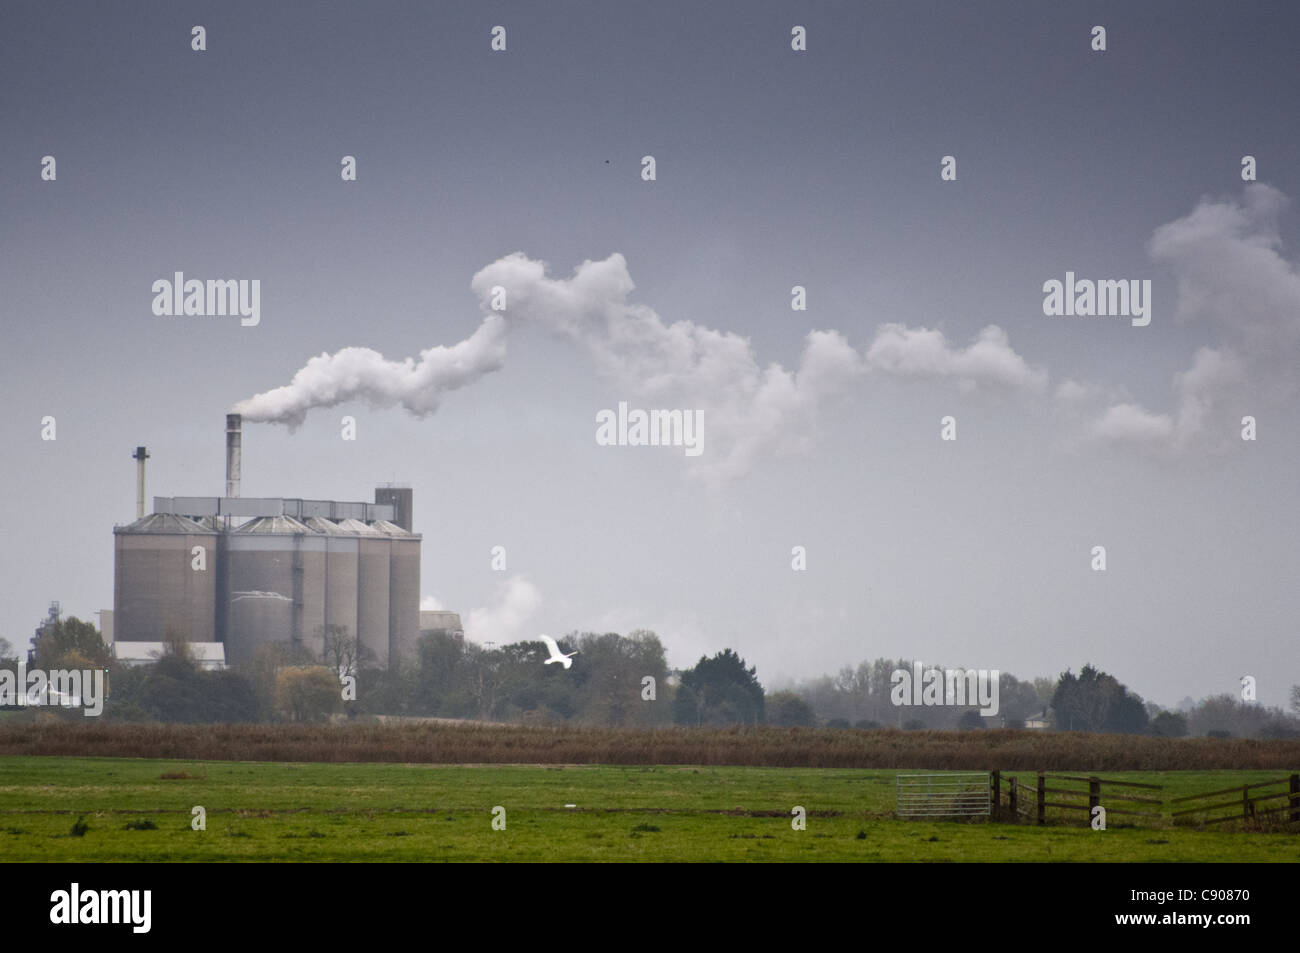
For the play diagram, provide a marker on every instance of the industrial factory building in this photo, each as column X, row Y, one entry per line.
column 243, row 572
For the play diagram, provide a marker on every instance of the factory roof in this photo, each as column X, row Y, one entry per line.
column 389, row 529
column 206, row 654
column 440, row 619
column 164, row 523
column 244, row 507
column 273, row 525
column 358, row 527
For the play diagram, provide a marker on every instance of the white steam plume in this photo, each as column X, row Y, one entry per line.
column 750, row 410
column 923, row 353
column 504, row 622
column 359, row 373
column 1230, row 274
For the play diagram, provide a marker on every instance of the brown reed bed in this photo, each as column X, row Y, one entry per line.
column 435, row 743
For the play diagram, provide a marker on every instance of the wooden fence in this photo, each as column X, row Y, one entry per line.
column 1027, row 799
column 1244, row 807
column 1091, row 797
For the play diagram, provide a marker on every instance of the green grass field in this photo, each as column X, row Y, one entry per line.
column 398, row 812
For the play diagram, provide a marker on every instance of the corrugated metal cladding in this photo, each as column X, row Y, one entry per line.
column 273, row 578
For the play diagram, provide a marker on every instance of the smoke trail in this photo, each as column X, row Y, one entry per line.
column 1231, row 274
column 752, row 410
column 359, row 373
column 506, row 621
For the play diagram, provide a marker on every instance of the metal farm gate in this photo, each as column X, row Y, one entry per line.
column 944, row 795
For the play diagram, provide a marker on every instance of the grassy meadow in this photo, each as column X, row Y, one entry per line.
column 132, row 809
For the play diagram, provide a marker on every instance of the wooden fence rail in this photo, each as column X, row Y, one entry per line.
column 1247, row 807
column 1093, row 795
column 1247, row 804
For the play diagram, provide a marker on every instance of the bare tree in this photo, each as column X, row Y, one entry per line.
column 342, row 652
column 176, row 645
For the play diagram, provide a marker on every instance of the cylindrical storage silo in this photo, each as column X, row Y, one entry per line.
column 164, row 586
column 403, row 592
column 374, row 555
column 341, row 555
column 309, row 598
column 256, row 617
column 276, row 579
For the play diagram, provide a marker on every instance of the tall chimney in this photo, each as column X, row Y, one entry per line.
column 234, row 438
column 140, row 456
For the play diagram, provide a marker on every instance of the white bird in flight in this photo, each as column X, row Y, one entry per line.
column 556, row 655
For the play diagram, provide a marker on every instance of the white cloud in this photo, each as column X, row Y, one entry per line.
column 507, row 620
column 1130, row 422
column 1230, row 275
column 1074, row 393
column 925, row 353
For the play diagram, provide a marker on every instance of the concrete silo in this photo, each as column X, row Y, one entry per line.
column 162, row 587
column 275, row 578
column 403, row 591
column 342, row 554
column 277, row 569
column 373, row 580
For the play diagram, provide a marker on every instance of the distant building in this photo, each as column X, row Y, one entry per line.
column 207, row 655
column 106, row 625
column 247, row 572
column 441, row 622
column 49, row 622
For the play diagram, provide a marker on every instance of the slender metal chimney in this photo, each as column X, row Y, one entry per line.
column 140, row 456
column 234, row 439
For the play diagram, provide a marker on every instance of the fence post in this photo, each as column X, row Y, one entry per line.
column 1015, row 804
column 997, row 793
column 1042, row 799
column 1094, row 795
column 1295, row 798
column 1245, row 802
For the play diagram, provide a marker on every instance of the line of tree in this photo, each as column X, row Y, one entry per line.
column 862, row 697
column 1090, row 701
column 1095, row 701
column 455, row 678
column 618, row 680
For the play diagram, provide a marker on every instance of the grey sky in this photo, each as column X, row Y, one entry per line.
column 774, row 168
